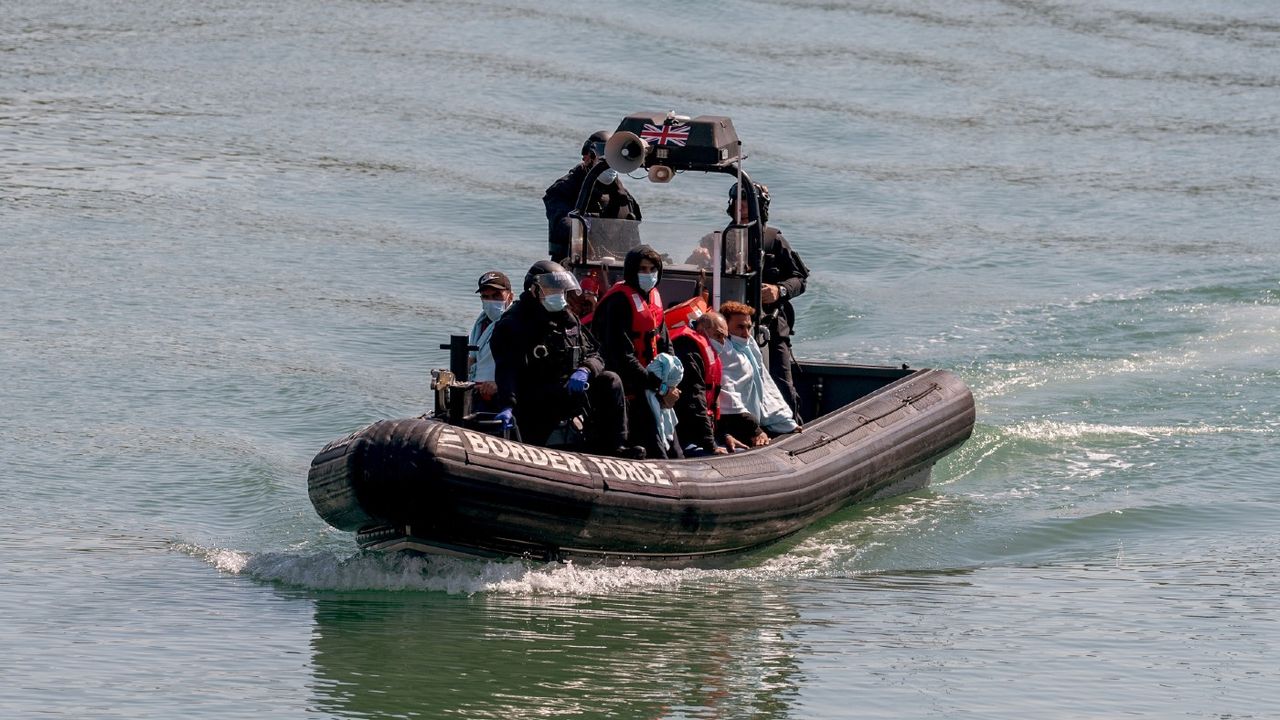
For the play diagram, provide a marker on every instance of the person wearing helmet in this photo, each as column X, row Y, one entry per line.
column 783, row 277
column 629, row 324
column 609, row 198
column 548, row 369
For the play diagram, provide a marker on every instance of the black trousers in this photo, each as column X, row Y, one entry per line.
column 544, row 407
column 780, row 362
column 559, row 234
column 644, row 430
column 742, row 426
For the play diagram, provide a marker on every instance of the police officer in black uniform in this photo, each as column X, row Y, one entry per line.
column 783, row 277
column 609, row 198
column 548, row 370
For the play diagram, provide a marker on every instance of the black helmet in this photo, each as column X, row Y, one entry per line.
column 541, row 267
column 551, row 276
column 762, row 196
column 595, row 143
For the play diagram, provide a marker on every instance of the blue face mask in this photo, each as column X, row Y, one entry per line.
column 608, row 176
column 648, row 281
column 739, row 342
column 493, row 309
column 555, row 303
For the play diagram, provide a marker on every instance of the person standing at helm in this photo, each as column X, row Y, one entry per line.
column 548, row 370
column 609, row 198
column 495, row 297
column 628, row 322
column 783, row 276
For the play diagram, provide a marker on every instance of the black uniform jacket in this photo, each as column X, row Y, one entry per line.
column 606, row 200
column 535, row 351
column 784, row 268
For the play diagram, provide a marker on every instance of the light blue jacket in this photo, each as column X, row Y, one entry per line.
column 481, row 366
column 746, row 386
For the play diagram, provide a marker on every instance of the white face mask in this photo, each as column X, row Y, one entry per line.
column 493, row 309
column 608, row 176
column 555, row 303
column 648, row 281
column 717, row 345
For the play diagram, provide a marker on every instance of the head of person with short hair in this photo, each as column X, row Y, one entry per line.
column 713, row 327
column 737, row 317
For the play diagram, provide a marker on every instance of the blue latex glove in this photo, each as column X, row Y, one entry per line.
column 506, row 418
column 578, row 381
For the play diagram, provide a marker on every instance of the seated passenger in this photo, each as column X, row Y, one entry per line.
column 495, row 298
column 671, row 371
column 583, row 303
column 751, row 407
column 548, row 370
column 629, row 325
column 693, row 328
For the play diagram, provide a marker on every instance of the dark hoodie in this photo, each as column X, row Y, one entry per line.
column 611, row 324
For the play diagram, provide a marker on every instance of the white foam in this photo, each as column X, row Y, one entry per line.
column 1049, row 430
column 832, row 551
column 407, row 571
column 1010, row 377
column 1245, row 332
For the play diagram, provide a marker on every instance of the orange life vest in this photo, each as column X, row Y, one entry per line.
column 685, row 313
column 710, row 363
column 646, row 318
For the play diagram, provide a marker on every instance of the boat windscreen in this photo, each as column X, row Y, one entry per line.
column 680, row 243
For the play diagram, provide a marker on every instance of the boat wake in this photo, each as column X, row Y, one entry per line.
column 827, row 553
column 1049, row 430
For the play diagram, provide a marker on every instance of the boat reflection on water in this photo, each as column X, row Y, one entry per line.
column 663, row 653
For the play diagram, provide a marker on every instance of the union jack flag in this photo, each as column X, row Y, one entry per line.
column 665, row 134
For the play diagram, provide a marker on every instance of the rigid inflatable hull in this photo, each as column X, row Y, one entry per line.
column 427, row 485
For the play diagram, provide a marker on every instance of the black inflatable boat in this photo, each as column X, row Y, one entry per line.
column 423, row 484
column 444, row 483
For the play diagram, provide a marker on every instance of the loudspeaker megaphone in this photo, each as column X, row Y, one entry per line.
column 625, row 151
column 660, row 174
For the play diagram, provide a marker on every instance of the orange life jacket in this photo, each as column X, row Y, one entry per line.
column 685, row 313
column 710, row 363
column 646, row 318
